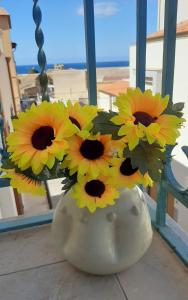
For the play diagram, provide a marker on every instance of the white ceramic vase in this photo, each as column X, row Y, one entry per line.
column 107, row 241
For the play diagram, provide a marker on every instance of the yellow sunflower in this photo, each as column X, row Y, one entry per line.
column 93, row 193
column 123, row 174
column 24, row 184
column 91, row 155
column 40, row 136
column 82, row 116
column 141, row 117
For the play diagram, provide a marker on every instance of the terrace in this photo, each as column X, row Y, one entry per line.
column 30, row 265
column 32, row 269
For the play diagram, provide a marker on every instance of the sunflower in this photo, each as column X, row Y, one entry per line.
column 91, row 155
column 24, row 184
column 82, row 116
column 93, row 193
column 141, row 117
column 123, row 174
column 39, row 136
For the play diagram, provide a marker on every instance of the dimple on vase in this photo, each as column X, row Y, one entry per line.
column 107, row 241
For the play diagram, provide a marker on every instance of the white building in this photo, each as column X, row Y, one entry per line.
column 154, row 56
column 107, row 93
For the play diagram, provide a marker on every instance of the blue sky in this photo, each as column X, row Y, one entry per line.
column 63, row 27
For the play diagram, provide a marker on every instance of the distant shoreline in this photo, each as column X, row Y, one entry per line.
column 24, row 69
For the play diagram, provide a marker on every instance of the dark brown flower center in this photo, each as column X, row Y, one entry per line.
column 42, row 137
column 126, row 168
column 92, row 149
column 143, row 118
column 75, row 122
column 95, row 188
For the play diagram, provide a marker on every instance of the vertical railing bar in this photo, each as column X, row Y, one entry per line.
column 162, row 196
column 39, row 37
column 90, row 50
column 167, row 88
column 141, row 28
column 169, row 47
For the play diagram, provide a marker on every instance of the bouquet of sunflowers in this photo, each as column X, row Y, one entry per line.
column 94, row 151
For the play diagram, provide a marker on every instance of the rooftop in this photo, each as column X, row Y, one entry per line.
column 115, row 88
column 181, row 30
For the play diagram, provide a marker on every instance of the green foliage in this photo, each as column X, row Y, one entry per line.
column 56, row 172
column 148, row 158
column 103, row 125
column 175, row 109
column 46, row 174
column 43, row 78
column 14, row 117
column 68, row 181
column 7, row 164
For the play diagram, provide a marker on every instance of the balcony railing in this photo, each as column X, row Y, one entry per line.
column 166, row 227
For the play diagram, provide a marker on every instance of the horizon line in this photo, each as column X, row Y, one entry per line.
column 80, row 62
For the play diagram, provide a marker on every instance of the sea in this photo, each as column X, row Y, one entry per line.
column 24, row 69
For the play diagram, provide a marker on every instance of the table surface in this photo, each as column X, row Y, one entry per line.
column 32, row 269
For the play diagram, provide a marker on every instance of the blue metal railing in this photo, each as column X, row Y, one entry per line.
column 168, row 182
column 141, row 28
column 167, row 89
column 90, row 50
column 169, row 47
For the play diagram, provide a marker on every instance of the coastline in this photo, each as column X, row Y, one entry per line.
column 24, row 69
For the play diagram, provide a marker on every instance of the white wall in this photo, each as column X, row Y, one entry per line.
column 182, row 14
column 181, row 175
column 154, row 56
column 181, row 91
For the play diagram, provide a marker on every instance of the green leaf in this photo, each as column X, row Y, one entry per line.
column 148, row 158
column 14, row 117
column 178, row 106
column 103, row 125
column 175, row 109
column 65, row 180
column 69, row 181
column 67, row 186
column 8, row 164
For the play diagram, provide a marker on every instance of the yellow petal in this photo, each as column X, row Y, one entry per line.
column 51, row 161
column 122, row 130
column 118, row 120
